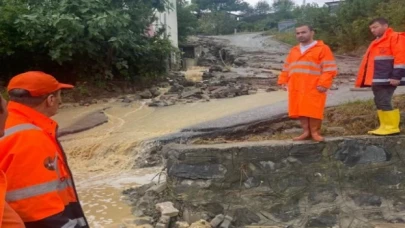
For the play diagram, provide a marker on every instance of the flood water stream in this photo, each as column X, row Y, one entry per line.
column 102, row 158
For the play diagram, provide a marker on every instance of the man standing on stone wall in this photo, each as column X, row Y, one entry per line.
column 307, row 74
column 383, row 68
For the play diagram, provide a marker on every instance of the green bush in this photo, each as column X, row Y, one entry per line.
column 81, row 39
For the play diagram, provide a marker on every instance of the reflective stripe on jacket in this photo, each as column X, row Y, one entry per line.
column 384, row 60
column 303, row 73
column 40, row 184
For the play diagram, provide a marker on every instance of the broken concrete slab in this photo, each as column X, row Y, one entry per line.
column 87, row 122
column 167, row 208
column 158, row 188
column 217, row 220
column 193, row 92
column 227, row 222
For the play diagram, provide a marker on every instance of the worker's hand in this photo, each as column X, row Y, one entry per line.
column 321, row 89
column 283, row 87
column 394, row 82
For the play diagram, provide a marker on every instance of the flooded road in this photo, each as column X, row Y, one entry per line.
column 107, row 147
column 102, row 158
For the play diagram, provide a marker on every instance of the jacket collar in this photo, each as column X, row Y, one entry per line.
column 29, row 115
column 318, row 44
column 387, row 34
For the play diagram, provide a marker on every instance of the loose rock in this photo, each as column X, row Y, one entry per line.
column 167, row 208
column 201, row 224
column 326, row 219
column 182, row 225
column 244, row 216
column 241, row 61
column 217, row 220
column 367, row 200
column 351, row 153
column 146, row 94
column 227, row 222
column 215, row 68
column 155, row 91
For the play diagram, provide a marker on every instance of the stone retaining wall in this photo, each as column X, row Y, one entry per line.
column 343, row 182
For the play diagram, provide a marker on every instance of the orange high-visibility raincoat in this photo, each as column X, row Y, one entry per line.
column 384, row 60
column 40, row 186
column 8, row 217
column 303, row 73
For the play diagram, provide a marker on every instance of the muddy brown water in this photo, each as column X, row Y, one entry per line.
column 101, row 197
column 102, row 158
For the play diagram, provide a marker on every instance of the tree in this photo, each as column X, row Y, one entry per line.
column 217, row 23
column 246, row 8
column 283, row 5
column 262, row 7
column 353, row 17
column 220, row 5
column 394, row 12
column 187, row 21
column 91, row 39
column 323, row 22
column 283, row 9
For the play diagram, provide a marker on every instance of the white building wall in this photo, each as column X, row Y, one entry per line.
column 168, row 19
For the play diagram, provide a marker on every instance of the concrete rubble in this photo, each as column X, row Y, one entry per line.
column 217, row 220
column 167, row 209
column 227, row 222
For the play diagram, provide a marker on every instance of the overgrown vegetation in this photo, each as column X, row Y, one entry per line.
column 93, row 40
column 286, row 37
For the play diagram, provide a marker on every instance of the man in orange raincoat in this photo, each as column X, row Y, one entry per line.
column 307, row 74
column 383, row 68
column 40, row 185
column 8, row 217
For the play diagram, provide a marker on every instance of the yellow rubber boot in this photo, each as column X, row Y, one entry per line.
column 390, row 123
column 380, row 118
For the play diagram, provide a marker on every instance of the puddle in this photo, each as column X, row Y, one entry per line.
column 101, row 195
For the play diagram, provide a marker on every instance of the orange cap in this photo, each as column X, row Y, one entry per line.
column 37, row 83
